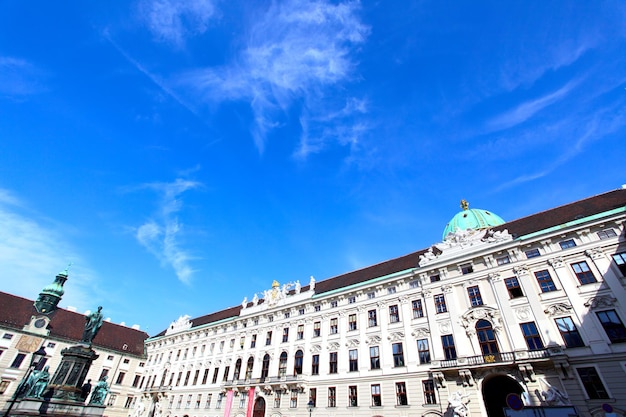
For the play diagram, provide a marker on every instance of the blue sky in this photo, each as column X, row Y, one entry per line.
column 183, row 155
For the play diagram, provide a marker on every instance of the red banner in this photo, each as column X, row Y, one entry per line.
column 229, row 403
column 250, row 402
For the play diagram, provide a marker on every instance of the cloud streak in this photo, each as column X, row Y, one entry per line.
column 19, row 78
column 296, row 51
column 160, row 235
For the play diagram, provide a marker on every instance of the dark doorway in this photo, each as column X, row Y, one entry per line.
column 495, row 390
column 259, row 407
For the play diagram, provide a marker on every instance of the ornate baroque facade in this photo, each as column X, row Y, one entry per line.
column 533, row 307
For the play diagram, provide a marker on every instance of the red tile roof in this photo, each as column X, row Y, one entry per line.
column 16, row 312
column 533, row 223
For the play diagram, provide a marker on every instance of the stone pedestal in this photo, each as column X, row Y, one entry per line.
column 70, row 375
column 55, row 408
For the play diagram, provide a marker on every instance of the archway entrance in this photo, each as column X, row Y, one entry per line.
column 259, row 407
column 495, row 390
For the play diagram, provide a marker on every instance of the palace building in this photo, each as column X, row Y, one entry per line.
column 499, row 318
column 27, row 325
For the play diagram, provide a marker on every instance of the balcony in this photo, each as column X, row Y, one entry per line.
column 276, row 382
column 498, row 358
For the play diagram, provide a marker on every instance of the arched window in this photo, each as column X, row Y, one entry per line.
column 297, row 365
column 265, row 368
column 282, row 364
column 249, row 367
column 237, row 369
column 486, row 338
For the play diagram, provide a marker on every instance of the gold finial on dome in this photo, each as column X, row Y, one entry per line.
column 275, row 284
column 464, row 204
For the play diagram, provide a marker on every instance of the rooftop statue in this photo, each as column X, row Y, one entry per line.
column 92, row 326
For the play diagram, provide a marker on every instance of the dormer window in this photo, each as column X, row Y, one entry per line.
column 566, row 244
column 606, row 234
column 503, row 260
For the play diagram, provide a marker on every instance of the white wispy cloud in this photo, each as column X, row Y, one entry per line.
column 161, row 235
column 524, row 111
column 296, row 51
column 173, row 21
column 20, row 78
column 33, row 250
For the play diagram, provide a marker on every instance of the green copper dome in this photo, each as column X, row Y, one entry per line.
column 471, row 219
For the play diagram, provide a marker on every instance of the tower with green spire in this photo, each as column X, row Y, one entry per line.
column 50, row 296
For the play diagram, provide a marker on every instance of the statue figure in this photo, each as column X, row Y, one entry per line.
column 92, row 325
column 157, row 409
column 139, row 409
column 244, row 303
column 41, row 383
column 458, row 404
column 298, row 287
column 554, row 396
column 99, row 392
column 26, row 384
column 312, row 283
column 255, row 299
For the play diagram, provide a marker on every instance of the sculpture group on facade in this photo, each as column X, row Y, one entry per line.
column 458, row 403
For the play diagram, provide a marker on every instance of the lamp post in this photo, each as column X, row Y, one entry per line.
column 34, row 361
column 311, row 405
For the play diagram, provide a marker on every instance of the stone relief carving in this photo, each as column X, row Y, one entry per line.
column 494, row 276
column 352, row 343
column 420, row 332
column 316, row 348
column 594, row 253
column 522, row 313
column 600, row 301
column 520, row 270
column 333, row 346
column 557, row 309
column 179, row 325
column 556, row 262
column 444, row 327
column 396, row 336
column 373, row 340
column 469, row 318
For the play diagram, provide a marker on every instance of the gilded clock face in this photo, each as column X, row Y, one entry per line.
column 39, row 323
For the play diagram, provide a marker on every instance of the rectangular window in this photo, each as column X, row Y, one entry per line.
column 3, row 386
column 351, row 300
column 137, row 379
column 620, row 261
column 435, row 278
column 423, row 351
column 312, row 397
column 374, row 357
column 398, row 354
column 111, row 400
column 268, row 338
column 566, row 244
column 277, row 395
column 300, row 334
column 226, row 372
column 332, row 363
column 317, row 308
column 105, row 372
column 414, row 284
column 120, row 378
column 332, row 396
column 391, row 290
column 198, row 400
column 372, row 321
column 376, row 397
column 394, row 314
column 503, row 260
column 466, row 269
column 188, row 403
column 301, row 311
column 186, row 378
column 401, row 394
column 334, row 326
column 474, row 296
column 531, row 335
column 353, row 356
column 285, row 334
column 129, row 402
column 317, row 329
column 333, row 304
column 7, row 336
column 583, row 273
column 253, row 341
column 17, row 362
column 545, row 281
column 440, row 304
column 532, row 253
column 216, row 371
column 569, row 332
column 418, row 311
column 287, row 315
column 613, row 326
column 606, row 234
column 205, row 376
column 371, row 295
column 429, row 391
column 195, row 377
column 448, row 346
column 352, row 322
column 592, row 383
column 315, row 365
column 352, row 396
column 513, row 287
column 207, row 403
column 293, row 401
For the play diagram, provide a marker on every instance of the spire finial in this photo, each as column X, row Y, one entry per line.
column 67, row 269
column 464, row 204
